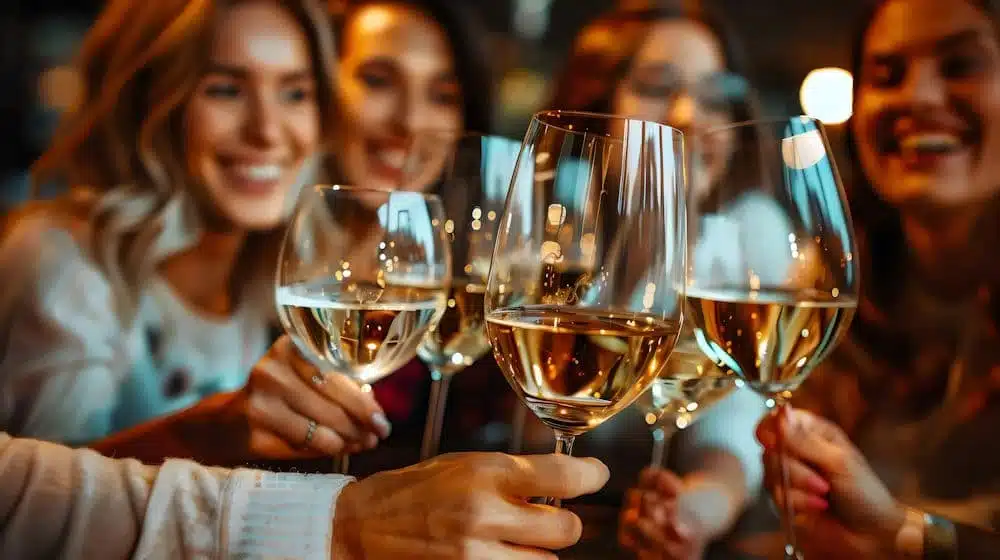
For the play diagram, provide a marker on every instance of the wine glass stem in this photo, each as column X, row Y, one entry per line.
column 435, row 414
column 517, row 429
column 564, row 446
column 661, row 441
column 781, row 409
column 342, row 462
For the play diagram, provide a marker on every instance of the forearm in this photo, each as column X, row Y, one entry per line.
column 205, row 433
column 57, row 502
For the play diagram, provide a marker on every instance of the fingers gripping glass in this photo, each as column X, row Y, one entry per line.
column 362, row 277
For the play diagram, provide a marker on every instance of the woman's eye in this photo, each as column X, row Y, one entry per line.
column 298, row 95
column 886, row 73
column 961, row 66
column 222, row 90
column 375, row 80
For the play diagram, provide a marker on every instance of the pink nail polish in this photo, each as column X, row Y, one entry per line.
column 816, row 503
column 818, row 485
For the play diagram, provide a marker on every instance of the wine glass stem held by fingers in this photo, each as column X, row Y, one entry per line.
column 787, row 514
column 435, row 414
column 564, row 446
column 342, row 462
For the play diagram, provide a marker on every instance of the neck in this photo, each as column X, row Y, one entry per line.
column 948, row 250
column 203, row 274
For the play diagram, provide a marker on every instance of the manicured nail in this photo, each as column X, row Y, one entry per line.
column 382, row 424
column 817, row 503
column 817, row 485
column 682, row 530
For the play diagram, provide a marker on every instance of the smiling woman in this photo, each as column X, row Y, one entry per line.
column 412, row 75
column 148, row 290
column 914, row 385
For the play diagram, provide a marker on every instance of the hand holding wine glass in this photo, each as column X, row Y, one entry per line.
column 772, row 281
column 362, row 277
column 580, row 324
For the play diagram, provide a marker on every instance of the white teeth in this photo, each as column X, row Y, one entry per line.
column 931, row 141
column 391, row 158
column 260, row 172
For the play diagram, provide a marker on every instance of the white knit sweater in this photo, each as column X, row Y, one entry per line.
column 57, row 502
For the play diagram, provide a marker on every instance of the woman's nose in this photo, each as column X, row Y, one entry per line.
column 924, row 86
column 265, row 124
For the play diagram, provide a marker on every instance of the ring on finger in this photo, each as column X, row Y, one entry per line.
column 310, row 432
column 318, row 379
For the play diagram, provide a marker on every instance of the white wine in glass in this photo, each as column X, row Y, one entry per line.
column 581, row 305
column 772, row 280
column 687, row 386
column 362, row 277
column 473, row 192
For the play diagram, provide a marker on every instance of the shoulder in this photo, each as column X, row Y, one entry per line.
column 44, row 261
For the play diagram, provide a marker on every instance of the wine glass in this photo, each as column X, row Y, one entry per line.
column 687, row 387
column 362, row 276
column 473, row 190
column 581, row 308
column 772, row 281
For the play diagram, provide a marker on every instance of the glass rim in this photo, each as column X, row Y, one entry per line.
column 538, row 116
column 336, row 187
column 763, row 121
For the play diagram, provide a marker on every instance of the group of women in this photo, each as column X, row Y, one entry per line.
column 137, row 315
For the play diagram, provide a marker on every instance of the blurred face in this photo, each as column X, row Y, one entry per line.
column 253, row 120
column 927, row 117
column 679, row 77
column 401, row 98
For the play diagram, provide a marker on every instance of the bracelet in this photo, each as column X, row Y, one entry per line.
column 940, row 542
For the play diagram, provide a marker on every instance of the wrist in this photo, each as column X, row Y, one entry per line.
column 343, row 543
column 926, row 537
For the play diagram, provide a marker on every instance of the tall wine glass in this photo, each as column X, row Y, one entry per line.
column 687, row 386
column 580, row 305
column 772, row 280
column 362, row 276
column 473, row 190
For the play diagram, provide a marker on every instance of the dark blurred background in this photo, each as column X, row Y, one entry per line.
column 785, row 40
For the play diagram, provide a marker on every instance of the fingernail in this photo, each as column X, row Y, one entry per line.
column 382, row 424
column 371, row 441
column 682, row 530
column 817, row 503
column 817, row 485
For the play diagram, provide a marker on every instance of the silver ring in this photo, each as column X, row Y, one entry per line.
column 310, row 431
column 318, row 380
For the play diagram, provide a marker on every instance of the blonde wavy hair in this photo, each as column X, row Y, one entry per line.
column 122, row 151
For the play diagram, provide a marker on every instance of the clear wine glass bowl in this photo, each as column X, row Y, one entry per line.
column 582, row 308
column 772, row 281
column 362, row 277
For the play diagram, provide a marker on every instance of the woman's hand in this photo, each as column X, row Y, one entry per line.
column 844, row 503
column 673, row 518
column 289, row 409
column 270, row 418
column 466, row 505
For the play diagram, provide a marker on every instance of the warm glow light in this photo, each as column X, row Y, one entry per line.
column 827, row 95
